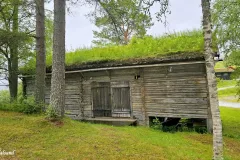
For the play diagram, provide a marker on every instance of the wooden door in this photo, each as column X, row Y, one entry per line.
column 101, row 99
column 121, row 99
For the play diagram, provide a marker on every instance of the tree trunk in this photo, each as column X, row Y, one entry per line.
column 13, row 61
column 212, row 84
column 41, row 53
column 57, row 98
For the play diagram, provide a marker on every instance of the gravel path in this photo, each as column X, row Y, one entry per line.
column 229, row 104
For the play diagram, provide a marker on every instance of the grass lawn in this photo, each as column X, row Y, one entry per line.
column 231, row 122
column 227, row 92
column 35, row 138
column 226, row 83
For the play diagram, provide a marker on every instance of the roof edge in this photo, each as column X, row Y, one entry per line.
column 174, row 57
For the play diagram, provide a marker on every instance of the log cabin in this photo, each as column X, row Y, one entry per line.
column 135, row 90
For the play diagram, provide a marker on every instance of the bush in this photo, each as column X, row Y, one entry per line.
column 22, row 104
column 29, row 106
column 156, row 124
column 51, row 113
column 218, row 79
column 184, row 125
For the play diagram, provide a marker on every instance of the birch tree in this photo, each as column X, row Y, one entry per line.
column 212, row 83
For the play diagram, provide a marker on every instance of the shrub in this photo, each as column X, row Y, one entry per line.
column 51, row 113
column 22, row 104
column 156, row 124
column 29, row 106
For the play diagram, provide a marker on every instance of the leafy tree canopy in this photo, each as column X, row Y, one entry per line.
column 226, row 20
column 118, row 21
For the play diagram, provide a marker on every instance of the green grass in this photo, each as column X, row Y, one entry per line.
column 188, row 41
column 226, row 83
column 33, row 137
column 227, row 92
column 231, row 122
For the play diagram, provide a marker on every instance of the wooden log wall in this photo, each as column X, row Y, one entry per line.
column 164, row 91
column 176, row 91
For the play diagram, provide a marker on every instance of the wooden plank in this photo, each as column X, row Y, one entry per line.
column 119, row 84
column 175, row 95
column 101, row 99
column 177, row 100
column 178, row 106
column 121, row 100
column 175, row 115
column 179, row 90
column 178, row 111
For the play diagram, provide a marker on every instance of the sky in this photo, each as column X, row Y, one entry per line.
column 185, row 15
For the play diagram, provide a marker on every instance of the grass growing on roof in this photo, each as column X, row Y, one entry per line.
column 187, row 41
column 141, row 48
column 220, row 65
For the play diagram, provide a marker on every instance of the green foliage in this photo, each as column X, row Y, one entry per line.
column 29, row 106
column 7, row 37
column 51, row 113
column 176, row 43
column 156, row 124
column 23, row 105
column 49, row 32
column 182, row 126
column 26, row 106
column 233, row 59
column 118, row 21
column 218, row 79
column 226, row 20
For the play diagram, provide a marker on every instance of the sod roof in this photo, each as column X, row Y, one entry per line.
column 181, row 46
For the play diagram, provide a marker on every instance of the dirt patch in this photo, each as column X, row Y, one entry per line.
column 232, row 145
column 55, row 122
column 202, row 138
column 58, row 123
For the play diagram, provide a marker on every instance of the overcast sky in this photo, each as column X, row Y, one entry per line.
column 185, row 14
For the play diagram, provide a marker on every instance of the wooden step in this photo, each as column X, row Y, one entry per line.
column 112, row 121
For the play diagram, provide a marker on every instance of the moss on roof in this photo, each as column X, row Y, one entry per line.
column 147, row 48
column 220, row 65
